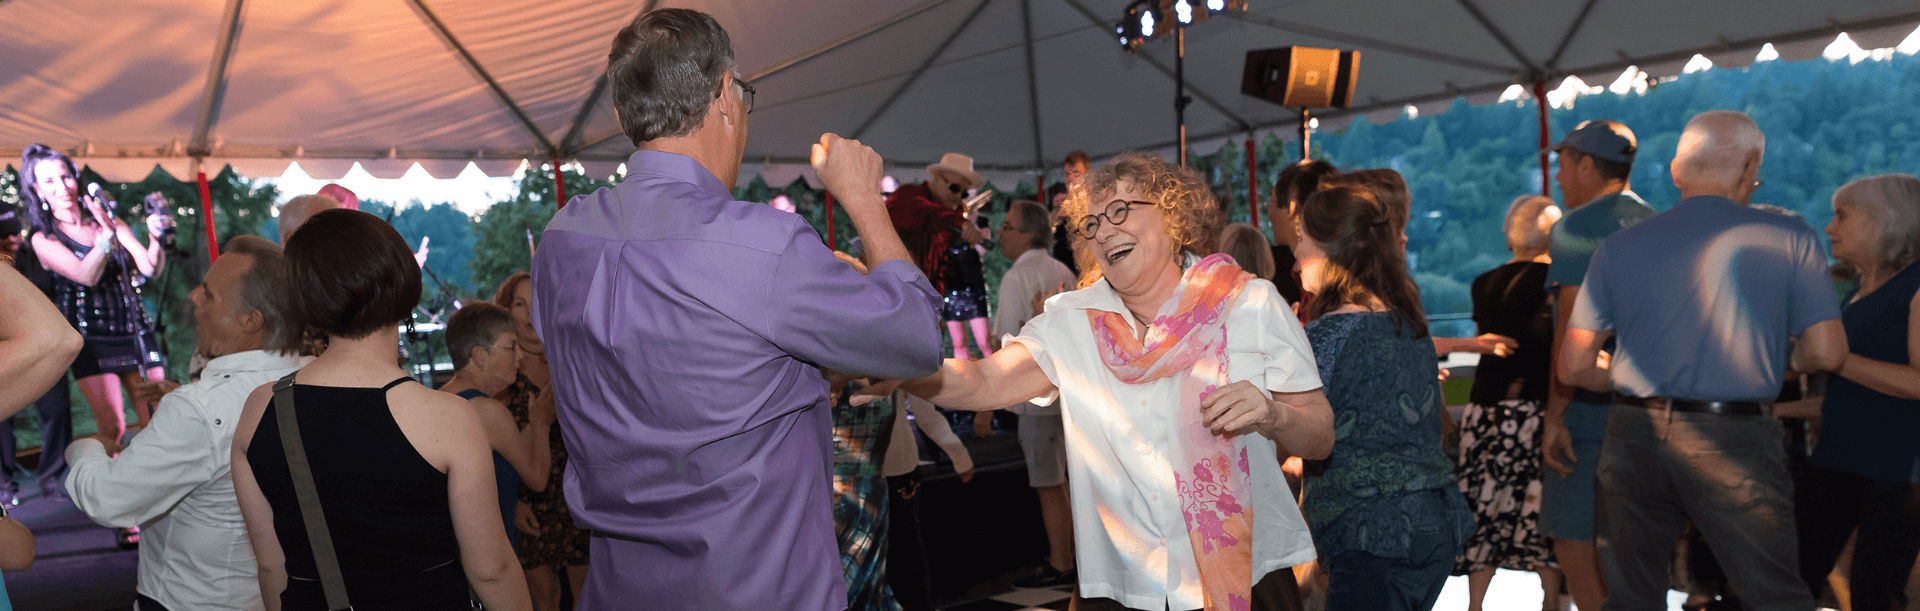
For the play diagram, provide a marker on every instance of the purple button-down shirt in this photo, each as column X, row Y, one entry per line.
column 684, row 331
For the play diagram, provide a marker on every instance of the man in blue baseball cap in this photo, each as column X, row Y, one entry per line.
column 1595, row 161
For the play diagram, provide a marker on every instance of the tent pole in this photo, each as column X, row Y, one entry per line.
column 206, row 210
column 559, row 186
column 1253, row 184
column 1180, row 88
column 1306, row 134
column 1540, row 101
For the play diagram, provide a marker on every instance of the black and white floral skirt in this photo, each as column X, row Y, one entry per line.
column 1499, row 473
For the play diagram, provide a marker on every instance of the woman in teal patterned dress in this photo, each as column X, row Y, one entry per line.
column 860, row 436
column 1385, row 511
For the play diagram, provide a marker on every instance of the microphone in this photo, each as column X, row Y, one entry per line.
column 106, row 201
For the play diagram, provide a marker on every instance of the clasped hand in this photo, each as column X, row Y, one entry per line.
column 1240, row 405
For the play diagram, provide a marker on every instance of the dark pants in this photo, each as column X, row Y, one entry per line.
column 55, row 411
column 1829, row 504
column 907, row 571
column 1275, row 592
column 1359, row 581
column 142, row 603
column 1728, row 474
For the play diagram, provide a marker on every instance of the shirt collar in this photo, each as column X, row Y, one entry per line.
column 251, row 360
column 1626, row 193
column 1707, row 199
column 674, row 166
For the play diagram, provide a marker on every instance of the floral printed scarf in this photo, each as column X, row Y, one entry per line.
column 1188, row 339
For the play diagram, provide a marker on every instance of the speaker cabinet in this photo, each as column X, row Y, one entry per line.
column 1302, row 77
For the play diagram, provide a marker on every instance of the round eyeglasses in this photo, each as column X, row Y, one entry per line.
column 1116, row 214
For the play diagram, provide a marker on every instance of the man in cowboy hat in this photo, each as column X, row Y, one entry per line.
column 929, row 214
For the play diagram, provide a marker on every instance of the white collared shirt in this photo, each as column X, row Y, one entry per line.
column 1128, row 530
column 174, row 482
column 1033, row 273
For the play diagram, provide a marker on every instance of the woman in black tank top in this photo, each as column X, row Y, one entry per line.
column 403, row 474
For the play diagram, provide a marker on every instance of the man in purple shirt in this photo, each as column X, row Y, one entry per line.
column 686, row 332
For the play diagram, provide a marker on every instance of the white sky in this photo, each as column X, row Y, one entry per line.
column 472, row 191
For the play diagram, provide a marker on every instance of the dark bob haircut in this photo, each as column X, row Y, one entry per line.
column 665, row 71
column 352, row 275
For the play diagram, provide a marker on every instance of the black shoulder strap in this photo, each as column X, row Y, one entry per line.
column 324, row 559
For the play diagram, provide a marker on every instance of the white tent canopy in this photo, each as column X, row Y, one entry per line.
column 258, row 84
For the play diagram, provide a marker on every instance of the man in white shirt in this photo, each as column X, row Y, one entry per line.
column 1025, row 237
column 173, row 480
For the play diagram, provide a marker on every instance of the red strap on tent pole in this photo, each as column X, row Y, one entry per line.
column 830, row 241
column 559, row 186
column 1253, row 185
column 206, row 212
column 1540, row 101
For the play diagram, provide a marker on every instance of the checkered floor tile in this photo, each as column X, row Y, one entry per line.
column 1021, row 599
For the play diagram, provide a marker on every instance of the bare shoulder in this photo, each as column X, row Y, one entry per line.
column 250, row 414
column 440, row 426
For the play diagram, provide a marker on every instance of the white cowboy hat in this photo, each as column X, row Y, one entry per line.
column 959, row 164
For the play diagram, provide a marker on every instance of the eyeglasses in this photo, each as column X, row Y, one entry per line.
column 745, row 89
column 1116, row 214
column 512, row 346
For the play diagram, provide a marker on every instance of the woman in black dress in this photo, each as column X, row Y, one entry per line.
column 403, row 473
column 1500, row 431
column 96, row 261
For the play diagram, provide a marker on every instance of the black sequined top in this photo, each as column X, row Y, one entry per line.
column 109, row 307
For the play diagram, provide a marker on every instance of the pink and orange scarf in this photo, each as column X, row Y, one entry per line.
column 1188, row 338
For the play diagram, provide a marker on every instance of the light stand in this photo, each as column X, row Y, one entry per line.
column 1305, row 133
column 1180, row 98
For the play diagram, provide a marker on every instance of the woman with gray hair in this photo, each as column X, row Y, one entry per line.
column 1500, row 430
column 1868, row 454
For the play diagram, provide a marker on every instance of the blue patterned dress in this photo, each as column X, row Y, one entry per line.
column 1386, row 477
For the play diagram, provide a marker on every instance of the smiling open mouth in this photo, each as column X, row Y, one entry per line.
column 1116, row 254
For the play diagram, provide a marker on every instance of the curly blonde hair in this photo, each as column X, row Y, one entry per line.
column 1186, row 204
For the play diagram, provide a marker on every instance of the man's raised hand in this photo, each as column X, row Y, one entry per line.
column 850, row 171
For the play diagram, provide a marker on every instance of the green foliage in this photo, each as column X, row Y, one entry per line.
column 504, row 237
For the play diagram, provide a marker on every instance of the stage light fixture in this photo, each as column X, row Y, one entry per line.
column 1183, row 12
column 1216, row 5
column 1137, row 25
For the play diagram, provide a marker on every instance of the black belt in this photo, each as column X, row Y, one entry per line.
column 1732, row 408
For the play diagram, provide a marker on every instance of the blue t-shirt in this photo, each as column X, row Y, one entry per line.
column 1866, row 431
column 1703, row 298
column 1578, row 234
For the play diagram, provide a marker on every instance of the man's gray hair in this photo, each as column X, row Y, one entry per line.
column 263, row 289
column 1715, row 145
column 1529, row 223
column 1033, row 219
column 1892, row 201
column 297, row 210
column 665, row 71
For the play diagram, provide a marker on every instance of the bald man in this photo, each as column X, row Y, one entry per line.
column 297, row 210
column 1703, row 300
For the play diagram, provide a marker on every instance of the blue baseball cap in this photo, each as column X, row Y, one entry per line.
column 1602, row 139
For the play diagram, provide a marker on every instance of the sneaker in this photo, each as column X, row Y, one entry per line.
column 1049, row 577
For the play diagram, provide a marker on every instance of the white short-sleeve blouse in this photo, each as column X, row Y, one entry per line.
column 1131, row 539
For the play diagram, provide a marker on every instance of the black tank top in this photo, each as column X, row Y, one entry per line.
column 110, row 306
column 386, row 505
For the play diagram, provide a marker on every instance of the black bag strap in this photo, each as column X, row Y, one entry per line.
column 321, row 540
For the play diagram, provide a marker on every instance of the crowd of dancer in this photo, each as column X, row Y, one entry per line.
column 690, row 402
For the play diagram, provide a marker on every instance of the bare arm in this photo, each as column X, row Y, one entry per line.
column 1823, row 347
column 1556, row 442
column 84, row 270
column 1008, row 377
column 254, row 508
column 851, row 172
column 1901, row 381
column 16, row 546
column 1580, row 362
column 149, row 258
column 485, row 554
column 36, row 343
column 526, row 449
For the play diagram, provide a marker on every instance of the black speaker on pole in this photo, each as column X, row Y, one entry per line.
column 1302, row 77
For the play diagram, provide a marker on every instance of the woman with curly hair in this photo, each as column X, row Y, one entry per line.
column 552, row 543
column 1385, row 511
column 1181, row 376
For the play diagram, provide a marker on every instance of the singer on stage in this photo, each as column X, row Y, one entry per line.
column 95, row 260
